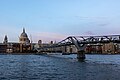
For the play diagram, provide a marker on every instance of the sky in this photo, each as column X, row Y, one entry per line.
column 57, row 19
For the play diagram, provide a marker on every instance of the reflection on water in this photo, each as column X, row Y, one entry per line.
column 59, row 67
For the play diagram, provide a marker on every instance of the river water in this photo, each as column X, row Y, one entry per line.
column 59, row 67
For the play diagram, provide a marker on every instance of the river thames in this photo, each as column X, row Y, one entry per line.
column 59, row 67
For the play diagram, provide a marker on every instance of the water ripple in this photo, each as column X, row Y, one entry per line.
column 59, row 67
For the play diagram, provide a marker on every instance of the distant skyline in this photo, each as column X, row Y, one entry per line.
column 56, row 19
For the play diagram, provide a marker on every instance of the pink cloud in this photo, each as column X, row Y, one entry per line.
column 47, row 36
column 89, row 33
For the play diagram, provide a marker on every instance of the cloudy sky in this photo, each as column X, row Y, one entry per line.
column 56, row 19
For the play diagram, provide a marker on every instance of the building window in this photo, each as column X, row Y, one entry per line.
column 20, row 39
column 24, row 39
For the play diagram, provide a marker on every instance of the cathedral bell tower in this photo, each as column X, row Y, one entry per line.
column 5, row 40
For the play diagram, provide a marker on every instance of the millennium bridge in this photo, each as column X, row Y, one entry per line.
column 81, row 42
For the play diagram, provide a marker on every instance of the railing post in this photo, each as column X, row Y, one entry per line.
column 81, row 55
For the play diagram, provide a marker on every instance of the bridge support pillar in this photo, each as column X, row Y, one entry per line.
column 81, row 55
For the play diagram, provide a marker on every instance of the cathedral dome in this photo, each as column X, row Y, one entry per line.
column 24, row 38
column 23, row 34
